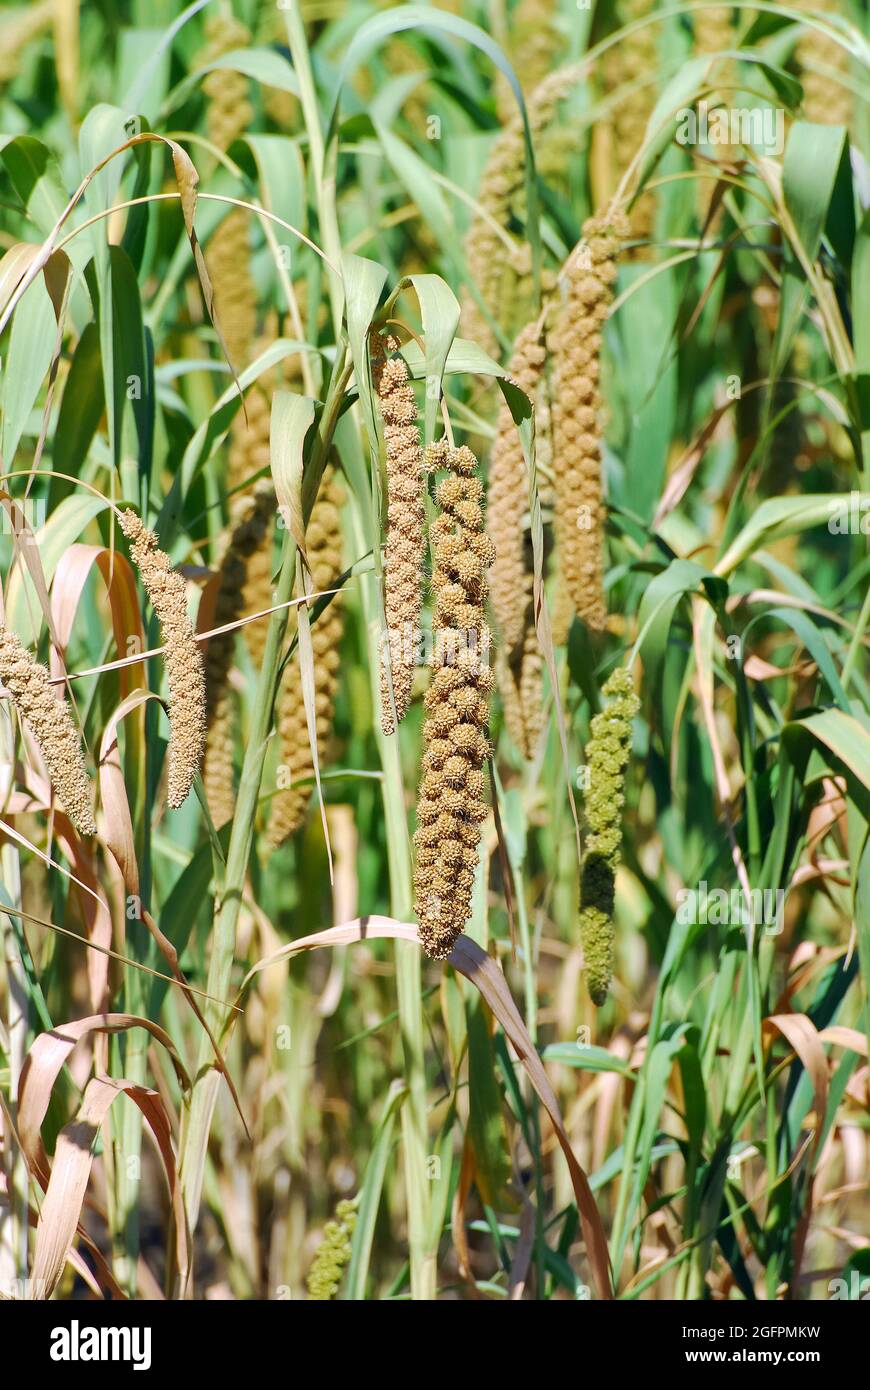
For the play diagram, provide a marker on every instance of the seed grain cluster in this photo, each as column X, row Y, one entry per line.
column 405, row 545
column 607, row 755
column 185, row 669
column 333, row 1254
column 519, row 664
column 577, row 338
column 51, row 723
column 245, row 546
column 451, row 805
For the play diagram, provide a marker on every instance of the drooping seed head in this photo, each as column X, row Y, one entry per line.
column 451, row 805
column 51, row 723
column 185, row 669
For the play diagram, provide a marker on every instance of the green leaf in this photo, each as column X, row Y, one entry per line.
column 804, row 628
column 416, row 176
column 212, row 430
column 370, row 1195
column 861, row 294
column 104, row 130
column 680, row 92
column 776, row 518
column 439, row 309
column 364, row 281
column 809, row 172
column 486, row 1126
column 282, row 178
column 64, row 527
column 423, row 19
column 844, row 736
column 179, row 913
column 81, row 408
column 463, row 357
column 36, row 178
column 144, row 83
column 292, row 417
column 659, row 604
column 586, row 1057
column 31, row 347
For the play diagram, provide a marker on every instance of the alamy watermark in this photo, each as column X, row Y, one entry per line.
column 849, row 516
column 732, row 125
column 450, row 646
column 720, row 907
column 78, row 1343
column 23, row 518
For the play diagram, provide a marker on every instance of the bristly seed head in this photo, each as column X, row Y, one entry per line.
column 185, row 668
column 51, row 724
column 451, row 805
column 607, row 755
column 405, row 543
column 579, row 514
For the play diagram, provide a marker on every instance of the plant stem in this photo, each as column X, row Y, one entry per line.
column 408, row 971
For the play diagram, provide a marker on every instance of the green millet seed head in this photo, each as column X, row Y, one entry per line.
column 51, row 723
column 596, row 935
column 333, row 1254
column 597, row 884
column 185, row 668
column 607, row 756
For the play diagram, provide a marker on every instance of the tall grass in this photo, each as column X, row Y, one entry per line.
column 330, row 898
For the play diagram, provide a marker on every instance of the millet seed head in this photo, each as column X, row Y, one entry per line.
column 51, row 723
column 451, row 805
column 405, row 542
column 185, row 668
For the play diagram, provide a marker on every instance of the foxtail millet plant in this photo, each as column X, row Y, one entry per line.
column 714, row 33
column 332, row 1254
column 185, row 668
column 406, row 540
column 228, row 115
column 827, row 101
column 507, row 495
column 496, row 271
column 323, row 548
column 521, row 683
column 451, row 805
column 17, row 30
column 253, row 516
column 713, row 29
column 631, row 65
column 50, row 721
column 576, row 407
column 607, row 753
column 229, row 111
column 519, row 665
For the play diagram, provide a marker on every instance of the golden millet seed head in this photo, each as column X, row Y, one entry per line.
column 451, row 804
column 185, row 669
column 51, row 724
column 406, row 541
